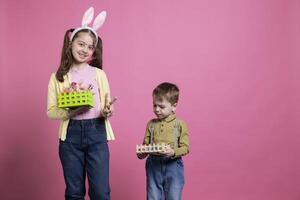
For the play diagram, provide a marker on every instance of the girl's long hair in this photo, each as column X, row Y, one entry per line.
column 67, row 58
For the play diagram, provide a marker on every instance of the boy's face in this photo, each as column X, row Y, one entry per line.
column 162, row 108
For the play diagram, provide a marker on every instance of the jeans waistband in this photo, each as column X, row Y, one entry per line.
column 86, row 121
column 164, row 158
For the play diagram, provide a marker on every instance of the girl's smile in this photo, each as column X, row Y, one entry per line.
column 83, row 47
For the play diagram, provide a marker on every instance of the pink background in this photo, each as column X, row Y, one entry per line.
column 235, row 61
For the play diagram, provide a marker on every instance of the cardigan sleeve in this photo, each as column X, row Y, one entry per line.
column 53, row 111
column 105, row 84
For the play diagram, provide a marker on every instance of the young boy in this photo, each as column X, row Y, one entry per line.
column 164, row 170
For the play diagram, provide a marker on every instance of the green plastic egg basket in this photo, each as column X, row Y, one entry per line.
column 75, row 99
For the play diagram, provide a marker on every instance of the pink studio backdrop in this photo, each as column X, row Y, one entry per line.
column 236, row 63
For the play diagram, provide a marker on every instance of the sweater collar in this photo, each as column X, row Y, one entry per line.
column 169, row 118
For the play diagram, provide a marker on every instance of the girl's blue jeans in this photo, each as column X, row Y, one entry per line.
column 165, row 178
column 85, row 152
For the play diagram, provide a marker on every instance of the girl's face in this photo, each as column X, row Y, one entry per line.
column 83, row 47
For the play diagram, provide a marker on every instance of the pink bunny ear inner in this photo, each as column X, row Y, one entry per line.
column 87, row 17
column 98, row 22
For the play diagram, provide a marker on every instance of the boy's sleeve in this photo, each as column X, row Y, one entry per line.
column 145, row 141
column 183, row 144
column 147, row 134
column 53, row 111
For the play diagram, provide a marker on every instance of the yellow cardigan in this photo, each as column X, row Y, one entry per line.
column 55, row 87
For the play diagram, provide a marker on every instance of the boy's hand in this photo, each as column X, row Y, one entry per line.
column 169, row 152
column 142, row 155
column 108, row 109
column 77, row 111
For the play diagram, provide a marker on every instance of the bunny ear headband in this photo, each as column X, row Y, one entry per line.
column 87, row 19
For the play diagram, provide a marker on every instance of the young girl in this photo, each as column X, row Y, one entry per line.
column 83, row 131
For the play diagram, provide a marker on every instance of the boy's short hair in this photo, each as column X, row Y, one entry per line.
column 166, row 90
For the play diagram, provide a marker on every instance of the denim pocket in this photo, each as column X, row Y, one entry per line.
column 73, row 134
column 98, row 133
column 149, row 166
column 100, row 127
column 180, row 163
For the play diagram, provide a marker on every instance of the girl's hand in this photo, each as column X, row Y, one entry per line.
column 108, row 107
column 77, row 111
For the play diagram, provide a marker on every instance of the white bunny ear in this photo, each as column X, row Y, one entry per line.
column 87, row 17
column 98, row 22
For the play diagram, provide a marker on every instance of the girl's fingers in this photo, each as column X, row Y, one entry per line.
column 109, row 104
column 114, row 99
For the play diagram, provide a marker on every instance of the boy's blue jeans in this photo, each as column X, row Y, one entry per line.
column 85, row 152
column 165, row 178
